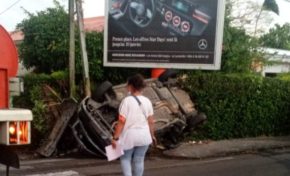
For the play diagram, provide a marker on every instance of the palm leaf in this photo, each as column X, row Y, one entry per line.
column 271, row 5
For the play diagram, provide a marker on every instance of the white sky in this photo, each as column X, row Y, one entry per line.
column 92, row 8
column 15, row 15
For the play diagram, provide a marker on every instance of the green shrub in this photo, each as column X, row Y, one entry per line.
column 241, row 105
column 284, row 76
column 33, row 98
column 39, row 110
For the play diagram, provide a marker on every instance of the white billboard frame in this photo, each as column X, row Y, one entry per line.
column 217, row 49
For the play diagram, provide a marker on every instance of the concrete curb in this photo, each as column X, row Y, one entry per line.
column 227, row 147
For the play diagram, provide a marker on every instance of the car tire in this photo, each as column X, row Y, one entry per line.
column 167, row 74
column 196, row 120
column 101, row 90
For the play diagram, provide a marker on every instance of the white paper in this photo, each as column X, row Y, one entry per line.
column 114, row 153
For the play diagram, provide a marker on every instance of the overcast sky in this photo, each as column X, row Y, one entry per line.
column 15, row 14
column 9, row 18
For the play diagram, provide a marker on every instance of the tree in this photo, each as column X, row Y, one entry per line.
column 45, row 45
column 244, row 15
column 239, row 49
column 94, row 42
column 278, row 37
column 268, row 5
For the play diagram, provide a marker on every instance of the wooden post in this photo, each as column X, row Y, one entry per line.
column 72, row 49
column 83, row 48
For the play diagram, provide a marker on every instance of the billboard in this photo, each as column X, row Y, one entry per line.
column 184, row 34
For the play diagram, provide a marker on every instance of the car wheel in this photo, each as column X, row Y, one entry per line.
column 98, row 94
column 167, row 74
column 196, row 121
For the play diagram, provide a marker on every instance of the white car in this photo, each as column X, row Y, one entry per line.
column 174, row 112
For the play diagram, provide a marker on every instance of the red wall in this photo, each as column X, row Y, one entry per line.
column 4, row 92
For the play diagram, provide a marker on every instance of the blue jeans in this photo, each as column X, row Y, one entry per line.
column 134, row 157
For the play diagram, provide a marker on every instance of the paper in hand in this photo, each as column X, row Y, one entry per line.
column 114, row 153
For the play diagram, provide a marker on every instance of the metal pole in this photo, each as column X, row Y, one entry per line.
column 7, row 170
column 83, row 47
column 71, row 49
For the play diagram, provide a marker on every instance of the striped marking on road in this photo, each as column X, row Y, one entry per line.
column 65, row 173
column 217, row 160
column 44, row 161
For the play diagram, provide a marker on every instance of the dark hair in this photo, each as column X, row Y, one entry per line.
column 137, row 82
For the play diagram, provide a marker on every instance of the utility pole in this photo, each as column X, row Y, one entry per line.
column 72, row 48
column 83, row 48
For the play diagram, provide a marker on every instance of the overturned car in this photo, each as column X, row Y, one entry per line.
column 174, row 113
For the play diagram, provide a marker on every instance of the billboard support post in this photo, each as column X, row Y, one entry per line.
column 72, row 48
column 83, row 48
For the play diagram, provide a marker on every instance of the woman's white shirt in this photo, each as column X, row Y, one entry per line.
column 136, row 131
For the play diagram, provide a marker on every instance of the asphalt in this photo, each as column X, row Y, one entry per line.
column 181, row 157
column 210, row 149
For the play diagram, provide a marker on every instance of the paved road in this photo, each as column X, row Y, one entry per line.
column 246, row 165
column 275, row 163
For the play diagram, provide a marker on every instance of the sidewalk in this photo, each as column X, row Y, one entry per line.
column 227, row 147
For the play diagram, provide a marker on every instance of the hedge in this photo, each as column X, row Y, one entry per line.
column 240, row 106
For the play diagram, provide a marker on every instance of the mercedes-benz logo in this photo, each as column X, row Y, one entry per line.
column 202, row 44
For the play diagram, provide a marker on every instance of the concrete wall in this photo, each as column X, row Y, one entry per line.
column 280, row 59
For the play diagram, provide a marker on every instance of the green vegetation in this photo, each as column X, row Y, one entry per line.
column 284, row 76
column 45, row 45
column 239, row 48
column 238, row 51
column 278, row 37
column 37, row 98
column 241, row 105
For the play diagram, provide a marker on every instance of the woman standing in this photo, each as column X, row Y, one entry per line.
column 135, row 127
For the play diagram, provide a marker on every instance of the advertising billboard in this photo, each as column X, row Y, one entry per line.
column 184, row 34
